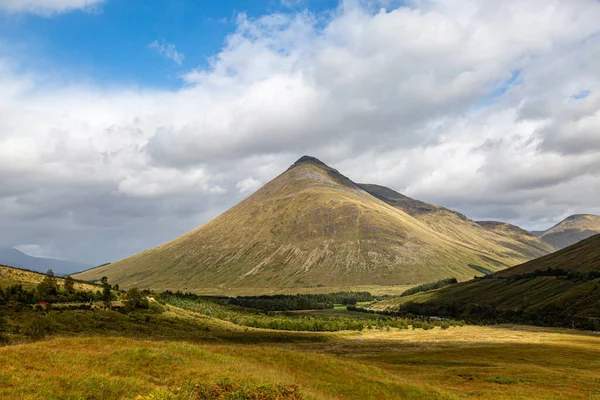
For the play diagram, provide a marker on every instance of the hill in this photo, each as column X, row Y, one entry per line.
column 559, row 288
column 18, row 259
column 488, row 237
column 571, row 230
column 16, row 276
column 313, row 227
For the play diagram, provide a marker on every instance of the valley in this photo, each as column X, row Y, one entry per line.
column 299, row 200
column 316, row 287
column 176, row 353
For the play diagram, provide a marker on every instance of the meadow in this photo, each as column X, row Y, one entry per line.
column 502, row 362
column 171, row 346
column 168, row 352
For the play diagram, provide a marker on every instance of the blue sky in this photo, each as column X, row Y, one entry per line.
column 110, row 43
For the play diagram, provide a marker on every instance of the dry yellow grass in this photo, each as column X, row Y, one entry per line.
column 29, row 279
column 503, row 362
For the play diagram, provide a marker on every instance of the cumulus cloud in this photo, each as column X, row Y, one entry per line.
column 47, row 7
column 414, row 97
column 248, row 185
column 167, row 50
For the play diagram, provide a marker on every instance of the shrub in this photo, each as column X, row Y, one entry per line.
column 37, row 329
column 135, row 299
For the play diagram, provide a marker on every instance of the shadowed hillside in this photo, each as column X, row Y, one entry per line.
column 312, row 226
column 571, row 230
column 557, row 289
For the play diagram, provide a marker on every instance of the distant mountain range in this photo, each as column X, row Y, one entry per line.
column 571, row 230
column 15, row 258
column 312, row 226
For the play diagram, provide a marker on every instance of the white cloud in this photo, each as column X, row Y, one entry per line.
column 401, row 97
column 292, row 3
column 167, row 50
column 48, row 7
column 248, row 185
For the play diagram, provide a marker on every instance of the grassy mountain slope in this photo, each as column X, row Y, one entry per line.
column 16, row 276
column 310, row 226
column 487, row 236
column 527, row 244
column 517, row 289
column 572, row 230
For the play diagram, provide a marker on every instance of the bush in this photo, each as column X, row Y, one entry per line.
column 135, row 299
column 37, row 329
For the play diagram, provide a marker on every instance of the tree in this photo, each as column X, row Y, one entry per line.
column 69, row 284
column 349, row 301
column 48, row 286
column 136, row 299
column 106, row 292
column 51, row 279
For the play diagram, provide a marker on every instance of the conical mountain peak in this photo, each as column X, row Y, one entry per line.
column 309, row 160
column 311, row 226
column 333, row 173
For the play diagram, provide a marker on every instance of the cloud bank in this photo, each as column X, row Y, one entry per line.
column 490, row 108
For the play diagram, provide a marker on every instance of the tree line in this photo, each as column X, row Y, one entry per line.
column 49, row 292
column 285, row 302
column 575, row 276
column 429, row 286
column 255, row 318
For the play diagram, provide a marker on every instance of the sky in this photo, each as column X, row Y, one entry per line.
column 125, row 123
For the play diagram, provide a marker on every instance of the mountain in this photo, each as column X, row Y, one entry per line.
column 15, row 258
column 486, row 236
column 312, row 226
column 571, row 230
column 556, row 289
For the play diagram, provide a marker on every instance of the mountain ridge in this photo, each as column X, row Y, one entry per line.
column 310, row 226
column 571, row 230
column 12, row 257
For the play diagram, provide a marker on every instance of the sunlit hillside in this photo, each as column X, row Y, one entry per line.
column 313, row 227
column 16, row 276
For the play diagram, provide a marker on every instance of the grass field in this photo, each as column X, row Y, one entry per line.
column 177, row 353
column 339, row 310
column 504, row 362
column 29, row 279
